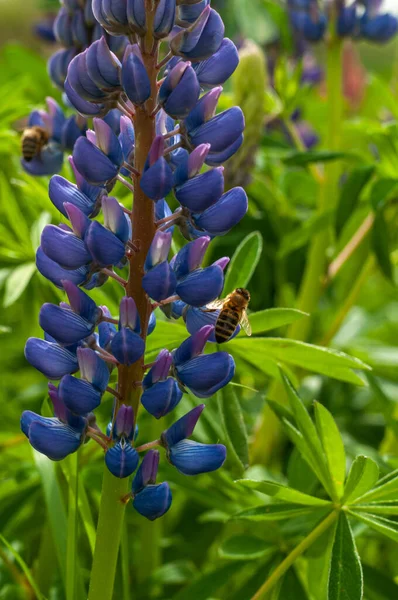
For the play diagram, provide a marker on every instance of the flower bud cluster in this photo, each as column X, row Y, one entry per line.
column 75, row 28
column 83, row 344
column 359, row 19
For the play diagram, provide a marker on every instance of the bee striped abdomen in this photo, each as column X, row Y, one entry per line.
column 227, row 322
column 29, row 148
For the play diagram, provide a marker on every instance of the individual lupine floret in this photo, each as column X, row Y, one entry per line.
column 50, row 358
column 195, row 285
column 159, row 280
column 60, row 191
column 378, row 28
column 57, row 436
column 157, row 179
column 112, row 15
column 164, row 18
column 203, row 374
column 161, row 392
column 179, row 91
column 307, row 19
column 127, row 346
column 201, row 39
column 69, row 324
column 151, row 500
column 106, row 330
column 122, row 459
column 189, row 457
column 194, row 190
column 224, row 214
column 135, row 78
column 52, row 271
column 219, row 67
column 346, row 23
column 224, row 131
column 188, row 12
column 98, row 157
column 83, row 395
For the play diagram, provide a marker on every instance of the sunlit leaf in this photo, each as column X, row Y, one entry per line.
column 282, row 492
column 332, row 445
column 234, row 425
column 245, row 547
column 272, row 318
column 17, row 282
column 385, row 526
column 362, row 477
column 244, row 262
column 274, row 512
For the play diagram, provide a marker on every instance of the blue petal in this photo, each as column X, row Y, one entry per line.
column 121, row 460
column 147, row 471
column 92, row 163
column 161, row 398
column 54, row 439
column 157, row 181
column 164, row 18
column 201, row 286
column 135, row 79
column 63, row 324
column 105, row 248
column 64, row 247
column 93, row 368
column 27, row 419
column 224, row 214
column 193, row 458
column 154, row 501
column 214, row 159
column 85, row 108
column 183, row 428
column 55, row 273
column 48, row 162
column 221, row 131
column 78, row 395
column 49, row 358
column 127, row 347
column 159, row 282
column 61, row 190
column 200, row 192
column 219, row 67
column 151, row 323
column 207, row 373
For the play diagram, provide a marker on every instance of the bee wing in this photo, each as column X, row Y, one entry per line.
column 216, row 304
column 245, row 323
column 20, row 124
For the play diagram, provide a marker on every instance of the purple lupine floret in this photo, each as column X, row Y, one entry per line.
column 50, row 358
column 50, row 436
column 122, row 459
column 159, row 280
column 150, row 500
column 127, row 346
column 135, row 79
column 201, row 39
column 161, row 393
column 179, row 92
column 218, row 68
column 189, row 457
column 157, row 179
column 98, row 157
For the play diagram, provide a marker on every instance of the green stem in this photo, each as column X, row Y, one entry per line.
column 294, row 554
column 109, row 532
column 71, row 549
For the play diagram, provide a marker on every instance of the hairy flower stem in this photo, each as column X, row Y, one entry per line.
column 143, row 226
column 268, row 435
column 294, row 554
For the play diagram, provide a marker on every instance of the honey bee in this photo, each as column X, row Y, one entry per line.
column 32, row 142
column 232, row 313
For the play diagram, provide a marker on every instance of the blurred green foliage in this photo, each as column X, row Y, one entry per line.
column 200, row 550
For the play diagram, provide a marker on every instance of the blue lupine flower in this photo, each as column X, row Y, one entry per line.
column 380, row 28
column 201, row 39
column 159, row 280
column 179, row 91
column 157, row 179
column 189, row 457
column 164, row 18
column 219, row 67
column 135, row 79
column 224, row 214
column 197, row 317
column 161, row 392
column 50, row 358
column 150, row 500
column 126, row 345
column 121, row 459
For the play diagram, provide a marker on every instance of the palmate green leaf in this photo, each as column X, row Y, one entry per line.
column 350, row 194
column 206, row 585
column 274, row 512
column 17, row 282
column 362, row 477
column 332, row 445
column 245, row 547
column 345, row 579
column 282, row 492
column 385, row 526
column 24, row 567
column 272, row 318
column 310, row 436
column 234, row 426
column 244, row 262
column 326, row 361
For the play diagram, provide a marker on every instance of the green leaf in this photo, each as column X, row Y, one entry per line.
column 385, row 526
column 24, row 568
column 350, row 194
column 244, row 262
column 272, row 318
column 381, row 244
column 386, row 489
column 378, row 583
column 273, row 512
column 17, row 282
column 318, row 559
column 310, row 435
column 282, row 492
column 327, row 361
column 301, row 159
column 206, row 585
column 381, row 192
column 301, row 235
column 345, row 579
column 362, row 477
column 379, row 508
column 298, row 440
column 384, row 404
column 234, row 426
column 72, row 564
column 332, row 445
column 292, row 587
column 245, row 547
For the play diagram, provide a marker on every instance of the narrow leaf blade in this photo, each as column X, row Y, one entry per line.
column 362, row 477
column 332, row 445
column 244, row 262
column 345, row 579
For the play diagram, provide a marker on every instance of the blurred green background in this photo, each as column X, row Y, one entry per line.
column 282, row 205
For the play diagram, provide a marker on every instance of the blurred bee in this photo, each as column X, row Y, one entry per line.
column 232, row 313
column 33, row 141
